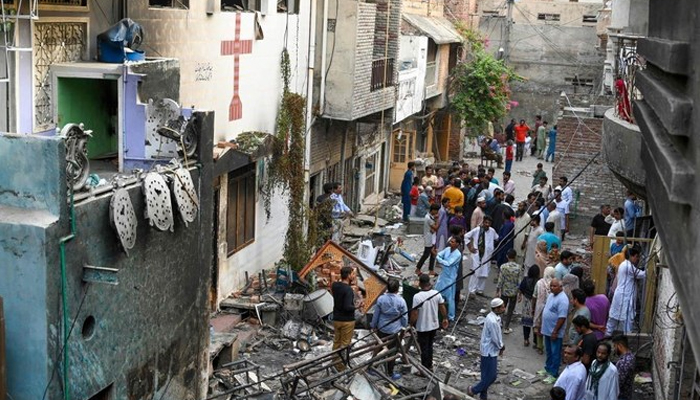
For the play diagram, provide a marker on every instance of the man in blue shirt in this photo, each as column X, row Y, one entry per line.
column 556, row 309
column 552, row 143
column 390, row 315
column 406, row 185
column 491, row 347
column 339, row 212
column 549, row 236
column 632, row 212
column 564, row 267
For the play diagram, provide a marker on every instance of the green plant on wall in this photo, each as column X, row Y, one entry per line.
column 286, row 171
column 480, row 84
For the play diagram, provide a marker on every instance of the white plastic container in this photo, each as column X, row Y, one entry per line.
column 321, row 301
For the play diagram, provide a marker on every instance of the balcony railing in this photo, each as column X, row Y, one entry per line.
column 627, row 63
column 430, row 73
column 382, row 73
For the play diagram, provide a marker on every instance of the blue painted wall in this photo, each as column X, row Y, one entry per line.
column 151, row 331
column 22, row 278
column 32, row 189
column 30, row 176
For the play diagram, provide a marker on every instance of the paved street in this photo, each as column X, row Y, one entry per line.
column 516, row 355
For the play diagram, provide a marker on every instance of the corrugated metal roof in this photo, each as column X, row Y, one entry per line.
column 437, row 28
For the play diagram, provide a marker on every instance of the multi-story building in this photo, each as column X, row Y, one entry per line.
column 230, row 54
column 104, row 322
column 553, row 45
column 649, row 145
column 428, row 51
column 357, row 45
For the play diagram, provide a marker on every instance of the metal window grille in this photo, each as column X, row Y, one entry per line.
column 382, row 73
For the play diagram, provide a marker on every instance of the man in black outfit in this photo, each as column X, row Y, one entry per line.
column 510, row 132
column 343, row 311
column 600, row 225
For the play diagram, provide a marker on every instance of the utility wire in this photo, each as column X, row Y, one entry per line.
column 397, row 318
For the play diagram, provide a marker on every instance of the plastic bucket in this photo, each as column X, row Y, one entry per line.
column 321, row 301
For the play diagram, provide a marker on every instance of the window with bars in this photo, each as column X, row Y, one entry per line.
column 549, row 17
column 240, row 217
column 590, row 19
column 382, row 73
column 371, row 173
column 241, row 5
column 183, row 4
column 576, row 81
column 70, row 3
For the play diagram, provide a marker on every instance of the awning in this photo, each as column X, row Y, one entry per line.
column 439, row 29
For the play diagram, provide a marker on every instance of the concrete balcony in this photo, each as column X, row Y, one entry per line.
column 361, row 79
column 622, row 146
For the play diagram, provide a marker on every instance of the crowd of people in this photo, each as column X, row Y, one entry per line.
column 519, row 140
column 561, row 313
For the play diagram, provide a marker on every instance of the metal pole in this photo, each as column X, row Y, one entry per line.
column 509, row 23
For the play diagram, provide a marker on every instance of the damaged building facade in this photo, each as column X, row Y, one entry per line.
column 356, row 48
column 106, row 245
column 380, row 95
column 648, row 144
column 235, row 45
column 423, row 126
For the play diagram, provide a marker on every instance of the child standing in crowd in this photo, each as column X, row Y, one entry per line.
column 414, row 193
column 509, row 155
column 459, row 219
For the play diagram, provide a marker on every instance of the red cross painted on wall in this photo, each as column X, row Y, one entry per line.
column 236, row 47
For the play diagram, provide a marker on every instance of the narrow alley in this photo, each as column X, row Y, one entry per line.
column 314, row 199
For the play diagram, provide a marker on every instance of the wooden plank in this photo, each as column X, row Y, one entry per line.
column 650, row 295
column 3, row 376
column 599, row 262
column 600, row 257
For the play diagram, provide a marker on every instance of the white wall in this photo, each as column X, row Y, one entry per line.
column 206, row 82
column 195, row 39
column 263, row 253
column 412, row 81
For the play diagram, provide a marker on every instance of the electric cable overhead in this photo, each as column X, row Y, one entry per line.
column 473, row 270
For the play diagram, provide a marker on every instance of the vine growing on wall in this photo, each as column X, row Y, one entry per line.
column 286, row 170
column 480, row 84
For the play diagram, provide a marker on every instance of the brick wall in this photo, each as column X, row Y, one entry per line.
column 464, row 11
column 327, row 143
column 577, row 142
column 371, row 45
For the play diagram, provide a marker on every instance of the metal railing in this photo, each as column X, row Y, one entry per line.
column 627, row 63
column 382, row 73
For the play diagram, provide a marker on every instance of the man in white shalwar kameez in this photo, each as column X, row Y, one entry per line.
column 603, row 378
column 623, row 306
column 480, row 242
